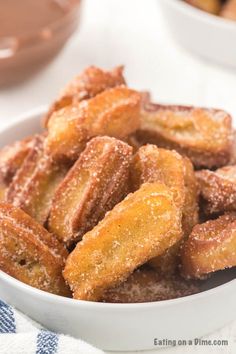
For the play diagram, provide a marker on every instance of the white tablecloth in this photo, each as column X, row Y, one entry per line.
column 133, row 33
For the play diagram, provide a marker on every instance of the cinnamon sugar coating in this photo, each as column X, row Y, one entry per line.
column 29, row 253
column 94, row 185
column 137, row 229
column 147, row 285
column 114, row 112
column 203, row 135
column 153, row 164
column 88, row 84
column 210, row 247
column 35, row 183
column 218, row 189
column 11, row 159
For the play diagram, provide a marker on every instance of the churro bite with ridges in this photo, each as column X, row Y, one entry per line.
column 210, row 247
column 88, row 84
column 151, row 164
column 11, row 159
column 29, row 253
column 147, row 285
column 218, row 189
column 35, row 183
column 203, row 135
column 142, row 226
column 96, row 182
column 114, row 112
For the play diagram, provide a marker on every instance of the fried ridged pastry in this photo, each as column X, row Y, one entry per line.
column 151, row 164
column 204, row 135
column 218, row 189
column 142, row 226
column 11, row 158
column 35, row 183
column 210, row 247
column 229, row 10
column 88, row 84
column 146, row 285
column 29, row 253
column 96, row 182
column 114, row 112
column 211, row 6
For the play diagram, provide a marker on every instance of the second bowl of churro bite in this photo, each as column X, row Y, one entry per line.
column 206, row 28
column 114, row 206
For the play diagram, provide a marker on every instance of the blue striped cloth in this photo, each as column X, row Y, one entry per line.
column 20, row 335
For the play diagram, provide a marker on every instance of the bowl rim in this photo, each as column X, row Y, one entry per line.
column 201, row 15
column 37, row 113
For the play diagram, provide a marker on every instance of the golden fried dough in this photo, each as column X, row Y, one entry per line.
column 151, row 164
column 218, row 189
column 139, row 228
column 211, row 6
column 29, row 253
column 114, row 112
column 88, row 84
column 204, row 135
column 35, row 183
column 210, row 247
column 146, row 285
column 229, row 10
column 11, row 158
column 96, row 182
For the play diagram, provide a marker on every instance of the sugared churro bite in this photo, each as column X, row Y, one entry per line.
column 11, row 159
column 35, row 183
column 218, row 189
column 152, row 164
column 88, row 84
column 203, row 135
column 29, row 253
column 147, row 285
column 114, row 112
column 210, row 247
column 94, row 185
column 139, row 228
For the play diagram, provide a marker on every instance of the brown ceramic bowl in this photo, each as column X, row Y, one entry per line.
column 24, row 54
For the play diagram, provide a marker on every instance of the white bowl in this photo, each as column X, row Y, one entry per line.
column 120, row 326
column 209, row 36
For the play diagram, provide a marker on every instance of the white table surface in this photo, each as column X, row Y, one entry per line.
column 133, row 33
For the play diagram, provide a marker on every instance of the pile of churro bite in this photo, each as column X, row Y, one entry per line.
column 119, row 199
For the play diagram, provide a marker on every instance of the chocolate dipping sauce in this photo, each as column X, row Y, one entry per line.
column 32, row 32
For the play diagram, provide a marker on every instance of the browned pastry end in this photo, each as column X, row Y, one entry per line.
column 35, row 183
column 229, row 10
column 218, row 189
column 96, row 182
column 88, row 84
column 210, row 247
column 147, row 285
column 211, row 6
column 152, row 164
column 29, row 253
column 114, row 112
column 142, row 226
column 203, row 135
